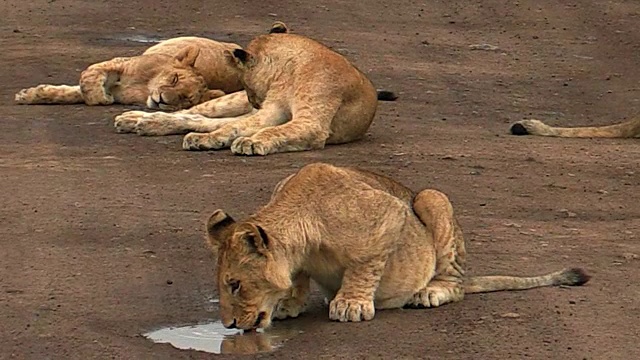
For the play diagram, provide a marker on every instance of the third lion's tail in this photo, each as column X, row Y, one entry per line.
column 482, row 284
column 627, row 129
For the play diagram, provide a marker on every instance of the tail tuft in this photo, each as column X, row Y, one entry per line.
column 385, row 95
column 519, row 129
column 572, row 277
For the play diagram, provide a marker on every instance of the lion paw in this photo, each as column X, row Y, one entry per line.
column 126, row 122
column 199, row 141
column 32, row 95
column 341, row 309
column 249, row 146
column 25, row 96
column 430, row 297
column 289, row 308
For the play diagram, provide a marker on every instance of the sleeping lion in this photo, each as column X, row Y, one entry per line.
column 367, row 240
column 172, row 75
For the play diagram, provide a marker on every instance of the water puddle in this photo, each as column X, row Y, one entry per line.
column 142, row 39
column 130, row 39
column 215, row 338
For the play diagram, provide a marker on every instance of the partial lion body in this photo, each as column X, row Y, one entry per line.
column 368, row 241
column 627, row 129
column 299, row 95
column 174, row 74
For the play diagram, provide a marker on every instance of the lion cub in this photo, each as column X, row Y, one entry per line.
column 172, row 75
column 367, row 240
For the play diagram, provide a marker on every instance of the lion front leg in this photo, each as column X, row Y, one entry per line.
column 355, row 298
column 269, row 115
column 96, row 81
column 296, row 303
column 435, row 210
column 50, row 94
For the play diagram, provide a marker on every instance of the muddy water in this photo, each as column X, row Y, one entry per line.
column 142, row 39
column 215, row 338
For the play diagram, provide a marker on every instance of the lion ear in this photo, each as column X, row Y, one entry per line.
column 239, row 57
column 256, row 240
column 279, row 27
column 188, row 55
column 219, row 228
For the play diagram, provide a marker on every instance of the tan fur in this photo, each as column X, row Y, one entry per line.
column 367, row 240
column 299, row 95
column 627, row 129
column 174, row 74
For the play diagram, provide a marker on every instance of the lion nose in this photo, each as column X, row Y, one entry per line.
column 233, row 325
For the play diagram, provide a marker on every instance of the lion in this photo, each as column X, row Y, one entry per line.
column 174, row 74
column 627, row 129
column 299, row 95
column 368, row 241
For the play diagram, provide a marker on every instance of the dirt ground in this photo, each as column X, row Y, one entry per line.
column 102, row 233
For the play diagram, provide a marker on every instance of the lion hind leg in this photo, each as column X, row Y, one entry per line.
column 50, row 94
column 436, row 212
column 309, row 129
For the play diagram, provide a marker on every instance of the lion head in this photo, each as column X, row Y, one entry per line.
column 252, row 274
column 251, row 67
column 178, row 84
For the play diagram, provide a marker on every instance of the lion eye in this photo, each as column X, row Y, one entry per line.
column 234, row 285
column 175, row 79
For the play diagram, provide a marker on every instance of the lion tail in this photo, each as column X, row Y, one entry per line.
column 483, row 284
column 385, row 95
column 627, row 129
column 50, row 94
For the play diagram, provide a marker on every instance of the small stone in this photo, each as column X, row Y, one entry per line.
column 567, row 213
column 169, row 282
column 485, row 47
column 510, row 315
